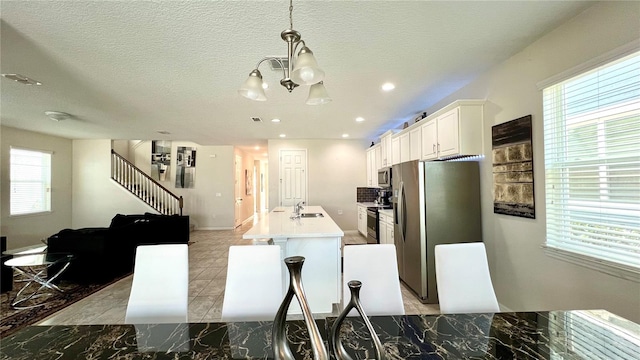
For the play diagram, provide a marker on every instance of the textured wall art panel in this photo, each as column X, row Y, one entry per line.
column 512, row 156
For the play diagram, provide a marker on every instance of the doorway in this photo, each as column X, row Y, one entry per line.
column 238, row 192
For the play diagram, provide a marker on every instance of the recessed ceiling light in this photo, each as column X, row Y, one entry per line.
column 388, row 87
column 359, row 119
column 283, row 135
column 275, row 120
column 265, row 85
column 345, row 135
column 257, row 147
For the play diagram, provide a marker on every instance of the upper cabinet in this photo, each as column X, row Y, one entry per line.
column 395, row 150
column 454, row 130
column 385, row 149
column 415, row 141
column 372, row 165
column 405, row 147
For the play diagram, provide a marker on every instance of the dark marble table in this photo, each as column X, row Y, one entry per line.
column 589, row 334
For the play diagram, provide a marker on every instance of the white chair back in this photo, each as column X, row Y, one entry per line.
column 254, row 288
column 160, row 288
column 376, row 266
column 463, row 279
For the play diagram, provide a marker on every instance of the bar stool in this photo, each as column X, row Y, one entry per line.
column 266, row 241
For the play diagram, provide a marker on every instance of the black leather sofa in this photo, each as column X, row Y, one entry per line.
column 103, row 254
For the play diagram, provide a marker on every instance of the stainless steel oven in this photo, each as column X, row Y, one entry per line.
column 372, row 225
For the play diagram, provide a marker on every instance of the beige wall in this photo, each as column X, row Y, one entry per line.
column 97, row 198
column 213, row 175
column 335, row 169
column 525, row 278
column 30, row 229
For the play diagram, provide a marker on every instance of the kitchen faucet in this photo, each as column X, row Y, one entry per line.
column 296, row 210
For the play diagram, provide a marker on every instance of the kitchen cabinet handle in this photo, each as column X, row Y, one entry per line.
column 434, row 147
column 438, row 147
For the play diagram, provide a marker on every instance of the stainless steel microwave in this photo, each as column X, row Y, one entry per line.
column 384, row 177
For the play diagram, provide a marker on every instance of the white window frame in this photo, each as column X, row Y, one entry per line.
column 43, row 184
column 552, row 249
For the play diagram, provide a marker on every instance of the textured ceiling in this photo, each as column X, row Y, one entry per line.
column 126, row 70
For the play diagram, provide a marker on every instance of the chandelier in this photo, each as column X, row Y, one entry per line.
column 299, row 70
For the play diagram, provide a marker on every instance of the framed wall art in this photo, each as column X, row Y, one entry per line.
column 247, row 182
column 512, row 156
column 185, row 167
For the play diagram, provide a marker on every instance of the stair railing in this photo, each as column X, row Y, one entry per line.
column 144, row 187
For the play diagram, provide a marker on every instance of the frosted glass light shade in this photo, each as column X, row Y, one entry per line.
column 318, row 95
column 306, row 70
column 252, row 88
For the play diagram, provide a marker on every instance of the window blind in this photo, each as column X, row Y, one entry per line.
column 30, row 181
column 592, row 163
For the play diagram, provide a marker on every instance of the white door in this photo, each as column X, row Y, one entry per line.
column 293, row 177
column 238, row 191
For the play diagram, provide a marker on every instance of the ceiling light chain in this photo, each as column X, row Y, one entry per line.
column 304, row 71
column 290, row 14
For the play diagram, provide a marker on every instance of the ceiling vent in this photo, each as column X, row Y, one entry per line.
column 256, row 119
column 22, row 79
column 276, row 65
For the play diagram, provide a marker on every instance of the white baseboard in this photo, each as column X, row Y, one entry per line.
column 215, row 228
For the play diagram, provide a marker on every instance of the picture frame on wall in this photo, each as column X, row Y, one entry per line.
column 512, row 158
column 247, row 182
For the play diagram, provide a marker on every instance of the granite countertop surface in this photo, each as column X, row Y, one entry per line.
column 278, row 224
column 578, row 334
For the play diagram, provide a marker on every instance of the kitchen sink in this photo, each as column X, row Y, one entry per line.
column 306, row 215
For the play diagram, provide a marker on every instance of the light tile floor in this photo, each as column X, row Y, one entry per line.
column 208, row 254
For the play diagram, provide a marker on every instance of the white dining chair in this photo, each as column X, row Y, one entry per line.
column 254, row 287
column 376, row 267
column 160, row 288
column 463, row 279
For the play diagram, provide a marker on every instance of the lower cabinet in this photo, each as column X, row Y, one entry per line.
column 362, row 220
column 385, row 227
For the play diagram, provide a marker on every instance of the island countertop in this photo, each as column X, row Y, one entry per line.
column 568, row 335
column 277, row 224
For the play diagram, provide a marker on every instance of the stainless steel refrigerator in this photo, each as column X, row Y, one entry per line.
column 434, row 202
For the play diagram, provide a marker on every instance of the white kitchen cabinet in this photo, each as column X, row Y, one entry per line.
column 385, row 227
column 372, row 165
column 395, row 150
column 429, row 140
column 448, row 137
column 385, row 147
column 362, row 220
column 378, row 152
column 454, row 130
column 415, row 143
column 405, row 147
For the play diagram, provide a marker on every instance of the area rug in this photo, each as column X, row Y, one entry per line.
column 12, row 320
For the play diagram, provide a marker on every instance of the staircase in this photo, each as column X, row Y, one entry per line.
column 144, row 187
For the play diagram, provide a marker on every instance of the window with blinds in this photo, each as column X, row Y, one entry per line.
column 592, row 165
column 30, row 181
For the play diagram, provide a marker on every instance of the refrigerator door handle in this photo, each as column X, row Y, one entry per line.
column 401, row 208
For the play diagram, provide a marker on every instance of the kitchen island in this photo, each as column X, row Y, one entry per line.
column 577, row 334
column 319, row 240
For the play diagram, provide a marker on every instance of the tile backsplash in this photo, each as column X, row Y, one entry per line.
column 366, row 194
